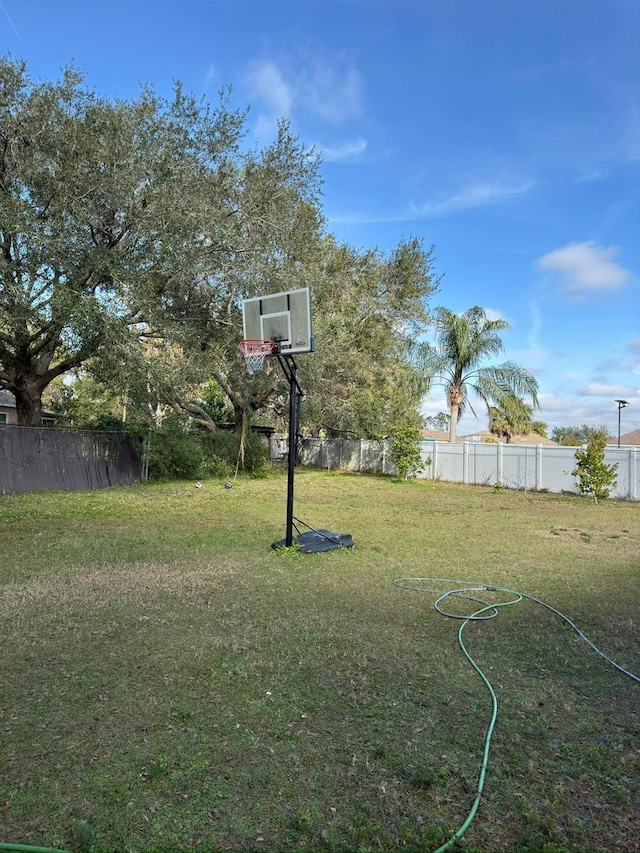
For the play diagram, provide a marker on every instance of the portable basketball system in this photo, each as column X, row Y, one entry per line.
column 279, row 324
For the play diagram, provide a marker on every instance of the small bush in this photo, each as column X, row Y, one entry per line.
column 175, row 453
column 594, row 476
column 405, row 447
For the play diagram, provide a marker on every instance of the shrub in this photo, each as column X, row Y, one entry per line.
column 175, row 453
column 404, row 443
column 594, row 476
column 181, row 451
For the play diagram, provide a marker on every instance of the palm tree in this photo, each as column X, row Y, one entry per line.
column 510, row 416
column 463, row 342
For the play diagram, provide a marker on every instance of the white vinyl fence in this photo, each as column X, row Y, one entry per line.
column 515, row 466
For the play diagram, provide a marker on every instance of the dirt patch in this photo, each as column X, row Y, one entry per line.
column 113, row 582
column 577, row 534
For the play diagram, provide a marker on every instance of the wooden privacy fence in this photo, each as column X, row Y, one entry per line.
column 514, row 466
column 45, row 459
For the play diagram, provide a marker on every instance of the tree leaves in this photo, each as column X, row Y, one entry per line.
column 463, row 342
column 120, row 218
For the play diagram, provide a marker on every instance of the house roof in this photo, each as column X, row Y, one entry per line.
column 629, row 438
column 527, row 438
column 435, row 435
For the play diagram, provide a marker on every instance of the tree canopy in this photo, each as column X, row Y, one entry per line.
column 130, row 233
column 127, row 220
column 575, row 435
column 368, row 313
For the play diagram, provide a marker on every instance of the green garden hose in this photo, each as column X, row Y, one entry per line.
column 26, row 848
column 487, row 611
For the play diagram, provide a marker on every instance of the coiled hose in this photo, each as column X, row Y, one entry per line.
column 462, row 589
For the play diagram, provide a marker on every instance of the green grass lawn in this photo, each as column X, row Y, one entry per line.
column 171, row 683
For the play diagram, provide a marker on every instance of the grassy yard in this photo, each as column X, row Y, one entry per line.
column 171, row 683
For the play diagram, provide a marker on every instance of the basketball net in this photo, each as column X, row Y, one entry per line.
column 254, row 353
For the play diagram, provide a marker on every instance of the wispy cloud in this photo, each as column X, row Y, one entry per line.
column 327, row 89
column 584, row 269
column 332, row 89
column 346, row 152
column 535, row 317
column 544, row 69
column 473, row 193
column 211, row 77
column 369, row 218
column 13, row 27
column 273, row 96
column 268, row 84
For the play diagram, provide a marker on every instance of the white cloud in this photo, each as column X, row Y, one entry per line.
column 598, row 389
column 474, row 193
column 332, row 90
column 267, row 83
column 347, row 151
column 558, row 408
column 495, row 314
column 585, row 268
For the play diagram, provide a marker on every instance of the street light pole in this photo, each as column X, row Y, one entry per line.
column 621, row 405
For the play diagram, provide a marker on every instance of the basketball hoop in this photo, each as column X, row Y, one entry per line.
column 254, row 353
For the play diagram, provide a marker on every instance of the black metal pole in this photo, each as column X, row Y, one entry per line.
column 293, row 447
column 621, row 405
column 619, row 410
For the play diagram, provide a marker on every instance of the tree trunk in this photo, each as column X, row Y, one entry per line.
column 453, row 423
column 28, row 397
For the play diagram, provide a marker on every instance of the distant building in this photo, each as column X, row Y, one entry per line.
column 629, row 439
column 435, row 435
column 484, row 435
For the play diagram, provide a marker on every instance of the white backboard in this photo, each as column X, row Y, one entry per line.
column 281, row 317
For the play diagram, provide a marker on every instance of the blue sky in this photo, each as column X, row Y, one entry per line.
column 505, row 133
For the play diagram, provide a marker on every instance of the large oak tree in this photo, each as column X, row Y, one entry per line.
column 368, row 310
column 131, row 219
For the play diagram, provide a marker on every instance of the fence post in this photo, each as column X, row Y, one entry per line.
column 499, row 463
column 146, row 453
column 538, row 467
